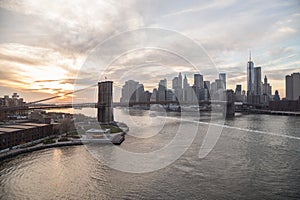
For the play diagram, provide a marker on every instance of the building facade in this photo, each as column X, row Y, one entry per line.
column 198, row 81
column 250, row 76
column 17, row 134
column 257, row 81
column 292, row 86
column 222, row 77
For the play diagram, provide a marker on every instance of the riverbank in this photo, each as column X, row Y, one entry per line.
column 15, row 152
column 271, row 112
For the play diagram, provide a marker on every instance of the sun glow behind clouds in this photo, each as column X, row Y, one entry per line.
column 37, row 69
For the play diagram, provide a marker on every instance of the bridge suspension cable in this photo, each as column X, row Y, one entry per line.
column 58, row 96
column 75, row 91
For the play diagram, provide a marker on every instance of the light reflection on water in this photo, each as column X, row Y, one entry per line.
column 243, row 165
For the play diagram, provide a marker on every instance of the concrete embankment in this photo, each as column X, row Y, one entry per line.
column 19, row 151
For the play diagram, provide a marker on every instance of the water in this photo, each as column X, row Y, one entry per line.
column 244, row 164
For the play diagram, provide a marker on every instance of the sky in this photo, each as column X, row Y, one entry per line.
column 51, row 47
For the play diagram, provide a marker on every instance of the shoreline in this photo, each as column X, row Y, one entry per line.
column 13, row 153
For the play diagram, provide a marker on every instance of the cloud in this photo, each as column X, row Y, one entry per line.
column 204, row 6
column 46, row 42
column 76, row 26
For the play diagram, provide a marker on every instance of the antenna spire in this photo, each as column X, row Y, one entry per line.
column 250, row 56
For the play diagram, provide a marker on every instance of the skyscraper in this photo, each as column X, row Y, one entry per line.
column 175, row 83
column 276, row 96
column 185, row 83
column 250, row 76
column 292, row 86
column 289, row 87
column 162, row 90
column 222, row 77
column 219, row 83
column 207, row 85
column 187, row 90
column 198, row 80
column 257, row 81
column 238, row 89
column 266, row 92
column 132, row 91
column 180, row 81
column 128, row 91
column 177, row 87
column 267, row 88
column 163, row 83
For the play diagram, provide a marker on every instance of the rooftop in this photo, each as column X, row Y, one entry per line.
column 18, row 126
column 6, row 130
column 33, row 124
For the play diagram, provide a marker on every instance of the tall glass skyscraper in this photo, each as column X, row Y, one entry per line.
column 198, row 81
column 222, row 77
column 292, row 87
column 250, row 76
column 180, row 81
column 257, row 81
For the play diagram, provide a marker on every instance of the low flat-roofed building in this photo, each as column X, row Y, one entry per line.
column 33, row 124
column 16, row 134
column 7, row 129
column 18, row 126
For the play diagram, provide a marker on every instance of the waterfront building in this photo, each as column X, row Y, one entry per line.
column 133, row 91
column 257, row 81
column 170, row 95
column 292, row 86
column 266, row 92
column 220, row 85
column 140, row 94
column 177, row 87
column 186, row 89
column 238, row 89
column 267, row 88
column 162, row 90
column 179, row 80
column 185, row 82
column 198, row 81
column 128, row 91
column 207, row 89
column 217, row 89
column 154, row 95
column 148, row 96
column 16, row 134
column 276, row 96
column 250, row 76
column 175, row 83
column 239, row 94
column 213, row 88
column 14, row 101
column 222, row 77
column 285, row 105
column 207, row 85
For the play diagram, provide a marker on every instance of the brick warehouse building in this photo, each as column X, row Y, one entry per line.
column 16, row 134
column 285, row 105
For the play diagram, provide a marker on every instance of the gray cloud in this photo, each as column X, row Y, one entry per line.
column 60, row 35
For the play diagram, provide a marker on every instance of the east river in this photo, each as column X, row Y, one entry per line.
column 255, row 157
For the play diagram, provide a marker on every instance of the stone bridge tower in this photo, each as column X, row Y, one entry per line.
column 105, row 104
column 230, row 107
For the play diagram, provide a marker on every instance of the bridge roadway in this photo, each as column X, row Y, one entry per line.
column 240, row 107
column 95, row 105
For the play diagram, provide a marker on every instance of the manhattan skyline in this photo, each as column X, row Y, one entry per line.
column 44, row 44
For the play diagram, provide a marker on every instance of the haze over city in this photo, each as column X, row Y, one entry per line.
column 45, row 43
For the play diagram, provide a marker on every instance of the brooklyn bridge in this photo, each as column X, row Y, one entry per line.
column 105, row 104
